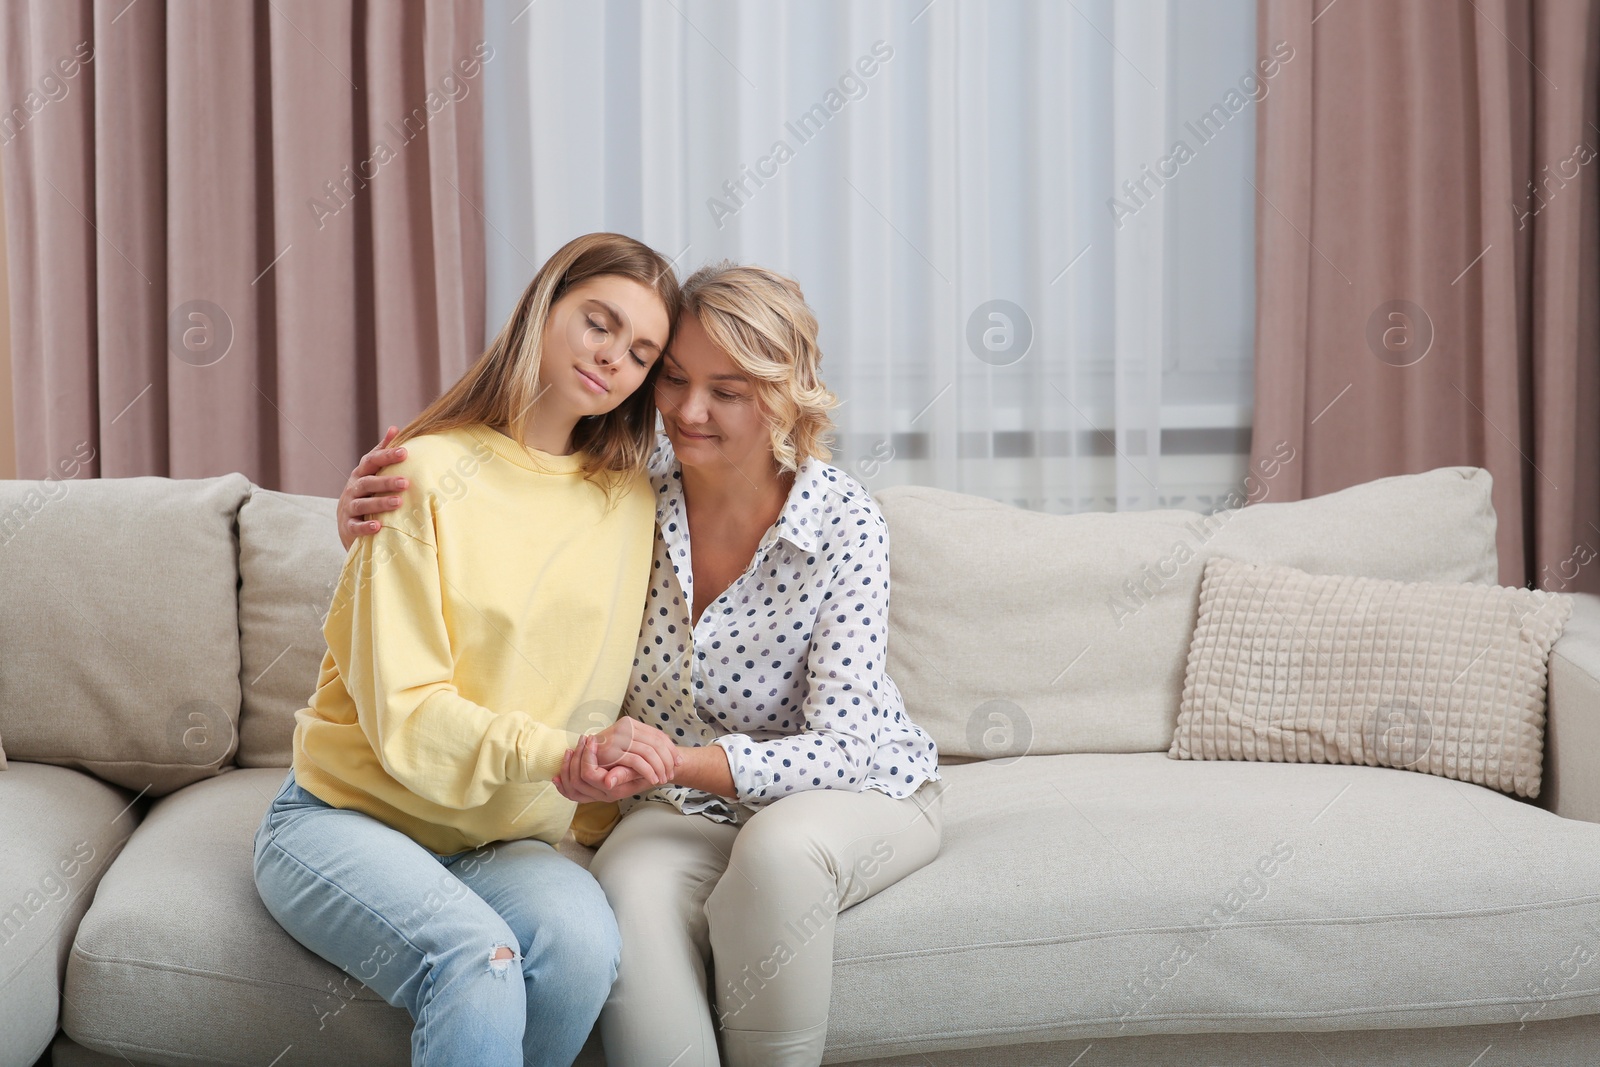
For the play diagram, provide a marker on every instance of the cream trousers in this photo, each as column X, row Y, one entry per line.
column 755, row 907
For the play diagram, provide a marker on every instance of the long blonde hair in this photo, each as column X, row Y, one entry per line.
column 499, row 389
column 761, row 320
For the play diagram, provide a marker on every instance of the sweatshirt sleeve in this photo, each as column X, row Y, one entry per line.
column 392, row 647
column 594, row 822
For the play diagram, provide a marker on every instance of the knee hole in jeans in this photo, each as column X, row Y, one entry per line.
column 500, row 959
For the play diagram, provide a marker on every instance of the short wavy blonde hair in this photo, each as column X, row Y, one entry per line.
column 761, row 319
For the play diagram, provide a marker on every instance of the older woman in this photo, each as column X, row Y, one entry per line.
column 802, row 788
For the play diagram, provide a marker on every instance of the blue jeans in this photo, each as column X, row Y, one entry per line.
column 422, row 930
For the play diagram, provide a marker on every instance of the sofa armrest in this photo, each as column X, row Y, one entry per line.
column 1572, row 728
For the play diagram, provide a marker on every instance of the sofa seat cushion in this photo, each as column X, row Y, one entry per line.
column 1407, row 901
column 59, row 831
column 179, row 957
column 1103, row 895
column 1556, row 1041
column 180, row 962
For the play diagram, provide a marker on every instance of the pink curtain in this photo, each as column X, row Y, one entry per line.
column 242, row 236
column 1428, row 259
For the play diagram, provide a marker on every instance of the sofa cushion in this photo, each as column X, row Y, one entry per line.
column 289, row 562
column 59, row 830
column 1441, row 678
column 1094, row 896
column 125, row 662
column 1557, row 1041
column 1015, row 632
column 178, row 924
column 1055, row 911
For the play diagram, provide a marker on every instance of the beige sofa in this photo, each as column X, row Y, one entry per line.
column 1095, row 902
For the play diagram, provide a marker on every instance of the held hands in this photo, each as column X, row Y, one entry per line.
column 625, row 758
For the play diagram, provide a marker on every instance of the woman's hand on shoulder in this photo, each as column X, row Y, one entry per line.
column 583, row 780
column 363, row 495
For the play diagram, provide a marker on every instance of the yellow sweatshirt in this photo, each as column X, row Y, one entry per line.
column 472, row 640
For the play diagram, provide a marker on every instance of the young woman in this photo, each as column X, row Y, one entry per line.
column 803, row 787
column 469, row 644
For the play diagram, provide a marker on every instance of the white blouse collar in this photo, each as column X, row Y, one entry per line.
column 801, row 520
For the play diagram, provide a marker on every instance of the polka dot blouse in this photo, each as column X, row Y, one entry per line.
column 785, row 670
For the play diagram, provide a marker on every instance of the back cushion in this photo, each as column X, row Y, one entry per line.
column 120, row 634
column 289, row 563
column 1016, row 632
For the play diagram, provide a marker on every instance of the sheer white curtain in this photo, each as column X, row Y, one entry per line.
column 943, row 179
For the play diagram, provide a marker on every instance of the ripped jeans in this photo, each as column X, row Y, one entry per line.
column 447, row 937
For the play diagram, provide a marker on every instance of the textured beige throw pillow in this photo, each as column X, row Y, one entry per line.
column 1300, row 668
